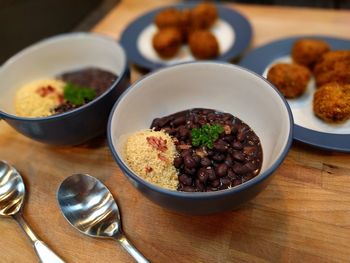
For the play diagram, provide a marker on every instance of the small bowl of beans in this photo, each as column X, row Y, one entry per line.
column 201, row 137
column 60, row 90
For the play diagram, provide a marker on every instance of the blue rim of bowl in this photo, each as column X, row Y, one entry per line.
column 258, row 59
column 36, row 45
column 240, row 23
column 198, row 195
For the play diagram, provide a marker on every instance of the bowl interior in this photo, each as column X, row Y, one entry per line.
column 54, row 56
column 217, row 86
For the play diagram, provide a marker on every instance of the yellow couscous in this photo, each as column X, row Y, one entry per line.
column 39, row 98
column 150, row 154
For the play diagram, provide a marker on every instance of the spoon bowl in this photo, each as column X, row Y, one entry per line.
column 12, row 193
column 88, row 205
column 12, row 190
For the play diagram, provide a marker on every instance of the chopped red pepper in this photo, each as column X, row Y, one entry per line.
column 44, row 91
column 158, row 143
column 148, row 169
column 163, row 158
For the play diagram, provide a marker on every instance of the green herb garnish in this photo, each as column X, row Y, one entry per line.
column 206, row 135
column 78, row 95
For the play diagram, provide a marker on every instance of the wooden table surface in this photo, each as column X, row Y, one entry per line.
column 302, row 216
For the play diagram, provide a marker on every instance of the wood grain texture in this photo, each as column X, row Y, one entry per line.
column 302, row 216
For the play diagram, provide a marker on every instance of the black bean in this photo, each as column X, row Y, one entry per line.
column 185, row 179
column 200, row 186
column 247, row 178
column 211, row 173
column 221, row 170
column 183, row 132
column 233, row 129
column 242, row 132
column 211, row 116
column 237, row 182
column 237, row 145
column 241, row 169
column 189, row 162
column 191, row 171
column 195, row 119
column 250, row 166
column 185, row 153
column 161, row 122
column 197, row 159
column 172, row 132
column 228, row 138
column 215, row 183
column 218, row 157
column 202, row 175
column 205, row 161
column 202, row 121
column 231, row 175
column 239, row 156
column 188, row 189
column 225, row 182
column 210, row 152
column 220, row 146
column 179, row 121
column 178, row 161
column 229, row 160
column 241, row 136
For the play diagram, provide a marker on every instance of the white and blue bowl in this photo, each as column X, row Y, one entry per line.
column 219, row 86
column 54, row 56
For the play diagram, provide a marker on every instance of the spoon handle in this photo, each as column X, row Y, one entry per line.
column 45, row 254
column 126, row 244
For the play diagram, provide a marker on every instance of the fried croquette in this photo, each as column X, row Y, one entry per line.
column 170, row 17
column 290, row 79
column 334, row 66
column 203, row 16
column 167, row 42
column 203, row 44
column 307, row 51
column 331, row 102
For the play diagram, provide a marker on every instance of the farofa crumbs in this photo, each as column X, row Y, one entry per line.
column 150, row 154
column 39, row 98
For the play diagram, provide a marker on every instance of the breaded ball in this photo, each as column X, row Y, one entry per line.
column 170, row 17
column 203, row 15
column 334, row 66
column 290, row 79
column 167, row 42
column 307, row 51
column 332, row 102
column 203, row 44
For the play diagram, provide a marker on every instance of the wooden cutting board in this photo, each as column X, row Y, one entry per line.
column 302, row 216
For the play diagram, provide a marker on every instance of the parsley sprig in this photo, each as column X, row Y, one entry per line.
column 78, row 95
column 206, row 135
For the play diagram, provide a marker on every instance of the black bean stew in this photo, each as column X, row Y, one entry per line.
column 234, row 157
column 98, row 79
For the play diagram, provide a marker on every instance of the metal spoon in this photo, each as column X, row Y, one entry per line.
column 88, row 206
column 12, row 192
